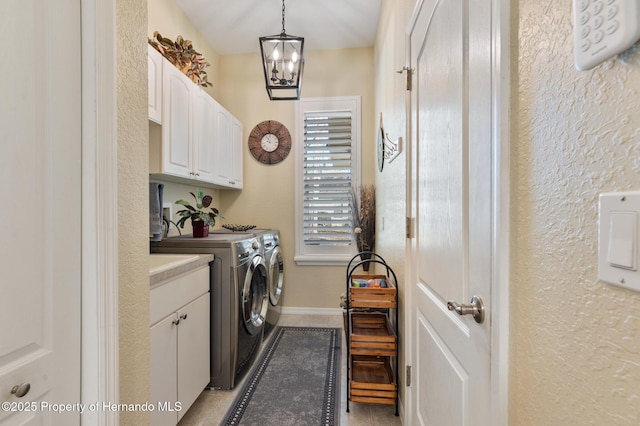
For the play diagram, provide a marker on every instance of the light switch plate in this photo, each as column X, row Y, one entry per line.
column 618, row 239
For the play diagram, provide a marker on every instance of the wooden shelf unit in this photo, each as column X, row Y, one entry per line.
column 372, row 380
column 371, row 321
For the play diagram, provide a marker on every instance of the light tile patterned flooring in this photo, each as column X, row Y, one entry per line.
column 212, row 405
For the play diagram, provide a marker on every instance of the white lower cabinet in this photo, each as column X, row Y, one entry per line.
column 180, row 368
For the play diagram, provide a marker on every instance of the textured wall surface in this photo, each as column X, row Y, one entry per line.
column 133, row 207
column 575, row 346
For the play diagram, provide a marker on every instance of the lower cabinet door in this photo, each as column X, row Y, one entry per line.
column 164, row 353
column 193, row 351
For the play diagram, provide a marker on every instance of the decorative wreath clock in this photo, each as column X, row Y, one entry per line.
column 270, row 142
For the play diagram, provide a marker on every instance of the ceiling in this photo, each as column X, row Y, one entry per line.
column 233, row 27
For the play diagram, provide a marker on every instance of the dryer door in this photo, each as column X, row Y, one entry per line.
column 276, row 275
column 255, row 296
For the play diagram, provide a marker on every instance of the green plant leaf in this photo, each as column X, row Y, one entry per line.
column 212, row 217
column 186, row 213
column 208, row 219
column 186, row 204
column 182, row 221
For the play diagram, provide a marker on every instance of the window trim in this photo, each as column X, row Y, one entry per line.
column 324, row 255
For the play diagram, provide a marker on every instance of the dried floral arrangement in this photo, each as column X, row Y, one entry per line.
column 182, row 54
column 363, row 202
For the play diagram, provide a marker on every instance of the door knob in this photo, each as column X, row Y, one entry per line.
column 475, row 308
column 21, row 390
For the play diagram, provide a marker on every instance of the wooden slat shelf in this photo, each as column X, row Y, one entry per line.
column 372, row 297
column 372, row 380
column 371, row 334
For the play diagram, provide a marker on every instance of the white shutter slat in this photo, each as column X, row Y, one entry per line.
column 327, row 177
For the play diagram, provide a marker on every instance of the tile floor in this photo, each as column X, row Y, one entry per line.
column 212, row 405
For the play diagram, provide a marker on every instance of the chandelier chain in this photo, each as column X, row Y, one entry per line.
column 283, row 32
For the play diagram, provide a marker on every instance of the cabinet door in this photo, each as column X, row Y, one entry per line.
column 236, row 153
column 193, row 351
column 164, row 355
column 155, row 60
column 204, row 133
column 223, row 148
column 176, row 115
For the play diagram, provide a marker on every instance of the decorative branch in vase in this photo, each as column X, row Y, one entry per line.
column 363, row 210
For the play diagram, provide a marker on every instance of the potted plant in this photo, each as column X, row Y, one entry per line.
column 202, row 215
column 182, row 54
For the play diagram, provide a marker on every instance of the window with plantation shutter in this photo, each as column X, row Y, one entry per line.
column 328, row 167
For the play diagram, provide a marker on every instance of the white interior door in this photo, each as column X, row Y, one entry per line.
column 40, row 185
column 451, row 197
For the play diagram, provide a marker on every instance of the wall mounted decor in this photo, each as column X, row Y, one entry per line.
column 270, row 142
column 387, row 149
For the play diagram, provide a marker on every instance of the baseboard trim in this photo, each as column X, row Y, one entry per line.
column 310, row 311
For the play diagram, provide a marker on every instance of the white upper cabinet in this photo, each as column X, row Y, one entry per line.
column 198, row 141
column 176, row 123
column 228, row 151
column 204, row 131
column 236, row 153
column 155, row 60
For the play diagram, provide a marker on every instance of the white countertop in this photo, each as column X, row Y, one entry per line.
column 163, row 267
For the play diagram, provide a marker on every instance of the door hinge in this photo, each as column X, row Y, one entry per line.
column 409, row 76
column 409, row 227
column 408, row 376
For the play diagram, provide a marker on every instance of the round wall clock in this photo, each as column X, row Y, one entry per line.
column 270, row 142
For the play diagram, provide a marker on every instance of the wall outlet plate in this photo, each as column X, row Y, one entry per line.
column 618, row 229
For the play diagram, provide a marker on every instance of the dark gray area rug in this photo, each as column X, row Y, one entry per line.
column 295, row 382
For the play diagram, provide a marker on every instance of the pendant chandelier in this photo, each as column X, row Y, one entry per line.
column 283, row 62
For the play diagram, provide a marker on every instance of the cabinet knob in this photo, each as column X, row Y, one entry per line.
column 21, row 390
column 183, row 316
column 176, row 321
column 197, row 173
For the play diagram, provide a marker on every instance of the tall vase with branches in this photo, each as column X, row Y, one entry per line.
column 363, row 210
